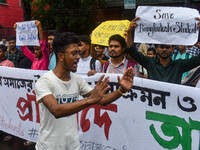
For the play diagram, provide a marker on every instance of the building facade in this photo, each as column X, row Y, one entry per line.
column 115, row 8
column 11, row 11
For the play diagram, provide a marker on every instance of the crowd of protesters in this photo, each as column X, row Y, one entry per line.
column 94, row 58
column 168, row 63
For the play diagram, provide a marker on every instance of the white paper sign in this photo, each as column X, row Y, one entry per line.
column 27, row 34
column 166, row 25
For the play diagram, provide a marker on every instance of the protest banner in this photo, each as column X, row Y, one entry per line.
column 102, row 33
column 27, row 34
column 166, row 25
column 19, row 112
column 152, row 115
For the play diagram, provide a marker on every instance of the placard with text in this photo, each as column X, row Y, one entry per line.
column 27, row 34
column 166, row 25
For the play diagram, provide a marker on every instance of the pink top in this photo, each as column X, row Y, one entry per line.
column 7, row 63
column 41, row 64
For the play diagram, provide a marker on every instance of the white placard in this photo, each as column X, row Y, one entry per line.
column 166, row 25
column 27, row 34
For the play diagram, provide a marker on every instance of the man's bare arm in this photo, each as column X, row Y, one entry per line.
column 125, row 85
column 129, row 38
column 61, row 110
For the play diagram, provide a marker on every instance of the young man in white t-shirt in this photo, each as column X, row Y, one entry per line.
column 57, row 93
column 87, row 64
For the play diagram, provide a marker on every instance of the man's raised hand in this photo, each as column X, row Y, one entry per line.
column 133, row 24
column 100, row 89
column 127, row 80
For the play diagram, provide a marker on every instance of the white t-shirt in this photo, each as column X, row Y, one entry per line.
column 84, row 65
column 61, row 133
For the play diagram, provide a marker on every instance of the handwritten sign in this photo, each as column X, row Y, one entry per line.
column 102, row 33
column 27, row 34
column 166, row 25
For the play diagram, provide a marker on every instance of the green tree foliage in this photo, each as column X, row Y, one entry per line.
column 77, row 16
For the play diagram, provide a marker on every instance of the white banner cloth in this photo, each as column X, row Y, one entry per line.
column 152, row 115
column 166, row 25
column 27, row 34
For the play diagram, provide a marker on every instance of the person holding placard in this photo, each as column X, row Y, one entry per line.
column 40, row 57
column 161, row 68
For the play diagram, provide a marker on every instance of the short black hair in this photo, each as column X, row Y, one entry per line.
column 53, row 32
column 85, row 38
column 3, row 47
column 119, row 38
column 151, row 49
column 100, row 46
column 63, row 40
column 12, row 38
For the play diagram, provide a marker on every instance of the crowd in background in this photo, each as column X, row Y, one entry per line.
column 116, row 58
column 94, row 58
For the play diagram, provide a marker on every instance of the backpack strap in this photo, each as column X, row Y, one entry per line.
column 92, row 63
column 130, row 64
column 105, row 66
